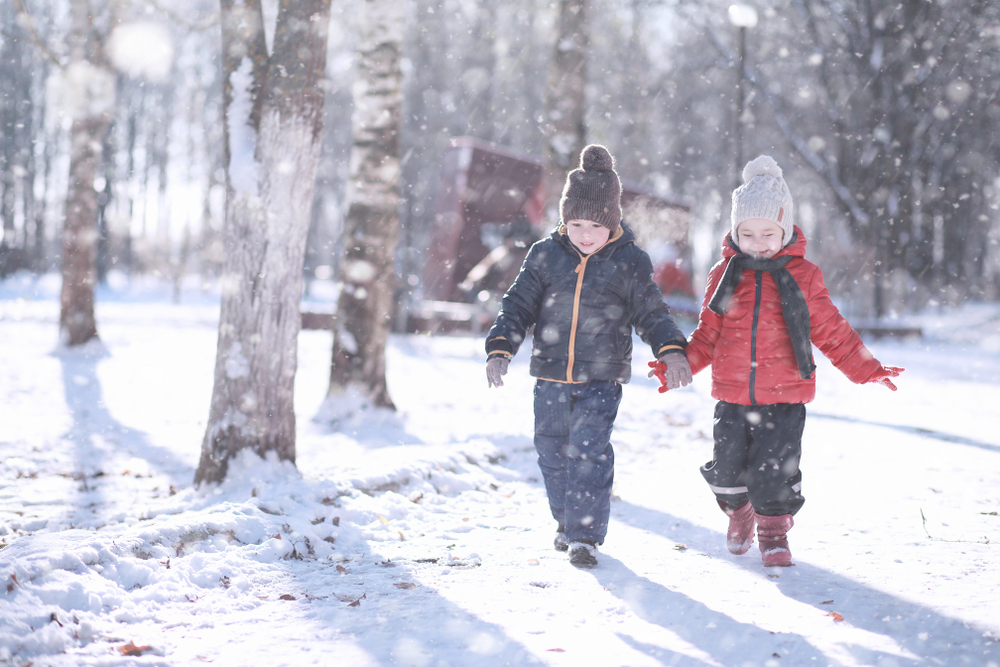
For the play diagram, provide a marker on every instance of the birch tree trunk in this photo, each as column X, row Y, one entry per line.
column 371, row 229
column 273, row 124
column 566, row 130
column 91, row 93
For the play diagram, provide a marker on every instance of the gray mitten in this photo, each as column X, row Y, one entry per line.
column 497, row 368
column 678, row 371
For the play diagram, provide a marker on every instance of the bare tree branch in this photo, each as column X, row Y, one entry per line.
column 27, row 23
column 826, row 167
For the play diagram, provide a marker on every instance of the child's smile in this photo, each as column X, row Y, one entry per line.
column 586, row 235
column 759, row 237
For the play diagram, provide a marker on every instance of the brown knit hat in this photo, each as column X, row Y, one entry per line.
column 593, row 192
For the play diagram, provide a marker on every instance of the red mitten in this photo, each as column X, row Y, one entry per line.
column 660, row 372
column 882, row 375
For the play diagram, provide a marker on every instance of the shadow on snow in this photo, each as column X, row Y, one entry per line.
column 945, row 640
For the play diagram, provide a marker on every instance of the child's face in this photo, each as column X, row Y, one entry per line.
column 759, row 237
column 587, row 235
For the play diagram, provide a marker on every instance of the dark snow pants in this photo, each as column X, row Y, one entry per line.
column 756, row 457
column 573, row 425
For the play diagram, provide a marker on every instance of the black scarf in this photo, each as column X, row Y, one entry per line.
column 793, row 303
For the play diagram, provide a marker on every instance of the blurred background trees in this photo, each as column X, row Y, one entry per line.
column 882, row 114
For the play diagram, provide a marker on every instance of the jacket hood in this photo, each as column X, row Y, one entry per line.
column 795, row 248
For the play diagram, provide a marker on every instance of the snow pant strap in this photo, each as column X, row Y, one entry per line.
column 573, row 425
column 756, row 456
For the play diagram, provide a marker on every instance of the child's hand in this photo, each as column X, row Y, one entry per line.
column 882, row 375
column 660, row 371
column 672, row 370
column 495, row 369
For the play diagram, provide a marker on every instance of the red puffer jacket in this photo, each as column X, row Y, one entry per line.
column 749, row 347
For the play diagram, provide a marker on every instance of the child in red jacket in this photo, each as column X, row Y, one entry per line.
column 764, row 308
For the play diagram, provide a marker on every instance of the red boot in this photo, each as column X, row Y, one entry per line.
column 739, row 537
column 771, row 531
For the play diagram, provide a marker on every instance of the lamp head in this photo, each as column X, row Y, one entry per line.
column 742, row 16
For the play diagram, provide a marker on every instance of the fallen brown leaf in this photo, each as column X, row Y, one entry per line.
column 680, row 547
column 827, row 602
column 132, row 649
column 835, row 616
column 287, row 596
column 556, row 650
column 405, row 584
column 341, row 569
column 357, row 603
column 773, row 576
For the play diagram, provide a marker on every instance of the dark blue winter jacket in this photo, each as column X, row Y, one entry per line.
column 584, row 308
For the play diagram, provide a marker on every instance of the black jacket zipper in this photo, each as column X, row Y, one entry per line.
column 753, row 336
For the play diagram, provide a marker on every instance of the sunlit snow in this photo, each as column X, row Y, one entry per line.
column 423, row 537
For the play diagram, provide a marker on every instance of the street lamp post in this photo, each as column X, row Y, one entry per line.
column 743, row 17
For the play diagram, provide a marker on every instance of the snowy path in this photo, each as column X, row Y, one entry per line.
column 444, row 538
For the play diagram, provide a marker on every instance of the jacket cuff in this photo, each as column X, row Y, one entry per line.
column 499, row 345
column 672, row 346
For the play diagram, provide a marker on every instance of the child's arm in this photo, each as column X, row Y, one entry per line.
column 649, row 314
column 839, row 342
column 518, row 312
column 651, row 318
column 701, row 343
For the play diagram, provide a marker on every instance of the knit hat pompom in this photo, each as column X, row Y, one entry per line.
column 593, row 191
column 764, row 194
column 764, row 165
column 596, row 158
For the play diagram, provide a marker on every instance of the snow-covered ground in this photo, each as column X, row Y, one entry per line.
column 424, row 538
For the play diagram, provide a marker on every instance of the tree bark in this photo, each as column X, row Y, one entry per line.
column 371, row 229
column 273, row 124
column 567, row 99
column 93, row 95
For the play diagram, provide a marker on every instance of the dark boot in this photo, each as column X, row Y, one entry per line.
column 772, row 533
column 583, row 554
column 560, row 543
column 739, row 537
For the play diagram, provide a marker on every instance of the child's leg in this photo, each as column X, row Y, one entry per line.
column 773, row 477
column 573, row 439
column 552, row 409
column 590, row 460
column 725, row 473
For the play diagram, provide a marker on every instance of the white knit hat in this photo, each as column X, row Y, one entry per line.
column 764, row 194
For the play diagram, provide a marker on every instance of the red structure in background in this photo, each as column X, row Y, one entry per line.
column 490, row 207
column 480, row 184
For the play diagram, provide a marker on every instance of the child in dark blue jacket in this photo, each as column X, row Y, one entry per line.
column 583, row 288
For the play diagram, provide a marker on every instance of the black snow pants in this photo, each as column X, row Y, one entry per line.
column 756, row 457
column 573, row 425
